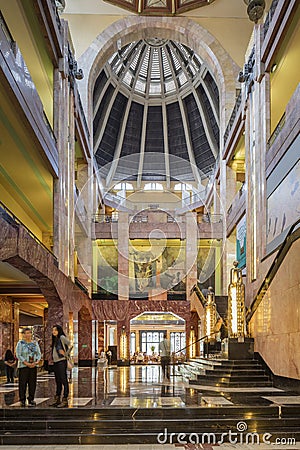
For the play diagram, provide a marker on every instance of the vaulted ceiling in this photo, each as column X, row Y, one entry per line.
column 156, row 114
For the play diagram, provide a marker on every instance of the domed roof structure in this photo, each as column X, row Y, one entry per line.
column 156, row 96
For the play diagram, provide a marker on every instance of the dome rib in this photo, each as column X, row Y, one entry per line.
column 156, row 97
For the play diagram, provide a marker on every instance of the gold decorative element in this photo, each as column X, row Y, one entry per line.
column 236, row 304
column 210, row 318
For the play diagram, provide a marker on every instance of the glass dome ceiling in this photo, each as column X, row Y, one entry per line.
column 155, row 67
column 155, row 114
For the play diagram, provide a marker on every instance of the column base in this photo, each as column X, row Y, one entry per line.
column 240, row 350
column 87, row 362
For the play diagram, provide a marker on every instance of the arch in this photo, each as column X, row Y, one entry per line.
column 179, row 29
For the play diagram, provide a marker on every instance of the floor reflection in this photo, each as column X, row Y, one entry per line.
column 138, row 387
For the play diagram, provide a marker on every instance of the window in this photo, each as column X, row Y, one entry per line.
column 150, row 340
column 153, row 187
column 123, row 186
column 183, row 187
column 132, row 343
column 177, row 341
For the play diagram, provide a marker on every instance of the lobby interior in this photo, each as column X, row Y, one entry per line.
column 149, row 184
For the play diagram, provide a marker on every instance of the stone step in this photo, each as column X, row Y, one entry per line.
column 220, row 383
column 230, row 372
column 234, row 377
column 128, row 425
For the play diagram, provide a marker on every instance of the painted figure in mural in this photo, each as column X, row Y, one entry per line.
column 29, row 355
column 143, row 265
column 60, row 352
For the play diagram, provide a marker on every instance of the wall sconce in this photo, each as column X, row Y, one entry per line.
column 192, row 344
column 123, row 343
column 210, row 317
column 236, row 304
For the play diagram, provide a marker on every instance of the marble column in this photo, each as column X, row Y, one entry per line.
column 64, row 129
column 16, row 322
column 191, row 251
column 85, row 335
column 53, row 315
column 6, row 325
column 101, row 344
column 75, row 336
column 123, row 329
column 216, row 198
column 123, row 256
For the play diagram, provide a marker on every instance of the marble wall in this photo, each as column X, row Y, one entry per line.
column 276, row 323
column 6, row 325
column 85, row 332
column 124, row 311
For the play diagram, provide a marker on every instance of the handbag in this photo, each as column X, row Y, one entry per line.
column 69, row 358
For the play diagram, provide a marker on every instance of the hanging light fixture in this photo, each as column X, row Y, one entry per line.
column 236, row 304
column 255, row 9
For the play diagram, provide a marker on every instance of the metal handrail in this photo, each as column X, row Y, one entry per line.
column 19, row 222
column 195, row 342
column 276, row 131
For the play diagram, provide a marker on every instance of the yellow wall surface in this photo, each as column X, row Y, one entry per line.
column 25, row 30
column 11, row 204
column 232, row 33
column 286, row 77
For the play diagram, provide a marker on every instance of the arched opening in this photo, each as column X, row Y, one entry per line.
column 147, row 331
column 182, row 30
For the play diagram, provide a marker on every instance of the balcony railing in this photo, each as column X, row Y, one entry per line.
column 276, row 132
column 233, row 116
column 55, row 11
column 82, row 114
column 105, row 218
column 144, row 218
column 7, row 34
column 270, row 16
column 12, row 219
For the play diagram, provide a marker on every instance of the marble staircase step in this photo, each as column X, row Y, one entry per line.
column 128, row 425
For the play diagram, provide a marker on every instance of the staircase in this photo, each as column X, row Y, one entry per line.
column 136, row 426
column 221, row 372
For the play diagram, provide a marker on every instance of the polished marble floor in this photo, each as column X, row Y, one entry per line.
column 144, row 387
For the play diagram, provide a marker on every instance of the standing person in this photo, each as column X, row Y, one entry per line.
column 165, row 358
column 109, row 355
column 60, row 349
column 10, row 365
column 29, row 354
